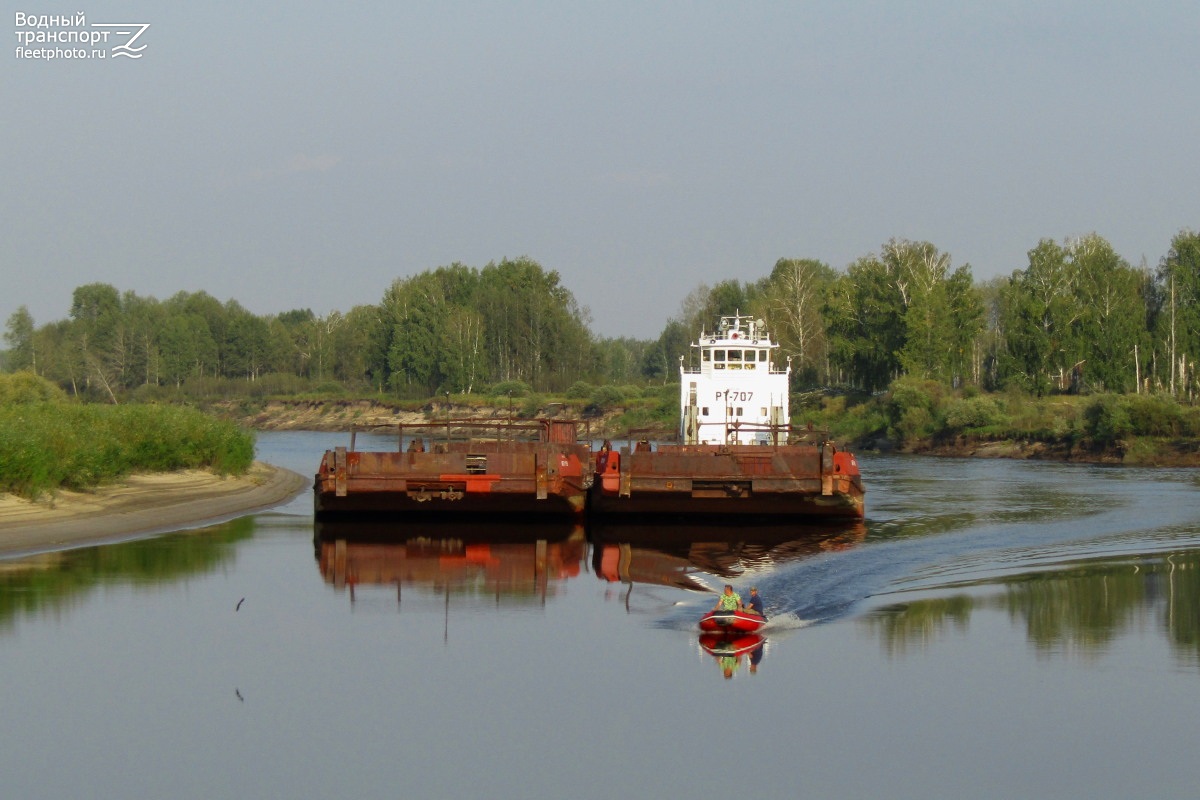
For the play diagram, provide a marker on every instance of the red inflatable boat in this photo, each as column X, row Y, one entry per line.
column 731, row 621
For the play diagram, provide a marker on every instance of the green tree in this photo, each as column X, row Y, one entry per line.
column 865, row 313
column 19, row 335
column 414, row 310
column 99, row 335
column 247, row 347
column 359, row 350
column 1177, row 325
column 216, row 320
column 1040, row 309
column 1112, row 299
column 796, row 293
column 661, row 361
column 143, row 318
column 965, row 323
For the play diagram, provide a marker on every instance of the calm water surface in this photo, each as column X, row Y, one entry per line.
column 996, row 629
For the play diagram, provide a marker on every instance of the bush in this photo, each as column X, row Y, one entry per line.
column 976, row 412
column 579, row 390
column 330, row 389
column 24, row 387
column 1154, row 415
column 605, row 398
column 531, row 406
column 61, row 445
column 857, row 423
column 510, row 389
column 913, row 407
column 916, row 423
column 1106, row 420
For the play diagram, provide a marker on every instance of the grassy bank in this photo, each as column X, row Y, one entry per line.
column 924, row 416
column 48, row 443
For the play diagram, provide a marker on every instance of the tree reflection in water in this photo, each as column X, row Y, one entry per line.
column 55, row 581
column 1078, row 608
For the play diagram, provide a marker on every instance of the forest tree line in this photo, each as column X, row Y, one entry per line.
column 1076, row 316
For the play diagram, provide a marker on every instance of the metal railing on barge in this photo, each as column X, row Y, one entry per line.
column 467, row 429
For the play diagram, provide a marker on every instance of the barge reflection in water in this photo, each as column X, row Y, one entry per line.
column 510, row 558
column 506, row 560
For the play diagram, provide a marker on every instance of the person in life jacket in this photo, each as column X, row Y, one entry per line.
column 729, row 600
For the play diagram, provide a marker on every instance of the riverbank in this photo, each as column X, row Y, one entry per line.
column 344, row 415
column 369, row 415
column 140, row 505
column 1134, row 452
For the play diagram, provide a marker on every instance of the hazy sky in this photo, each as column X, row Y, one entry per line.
column 304, row 155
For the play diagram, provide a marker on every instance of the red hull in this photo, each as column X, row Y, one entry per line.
column 731, row 621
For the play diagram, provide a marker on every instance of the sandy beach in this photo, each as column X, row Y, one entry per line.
column 140, row 506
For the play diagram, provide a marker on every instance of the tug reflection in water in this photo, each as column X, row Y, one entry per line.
column 669, row 555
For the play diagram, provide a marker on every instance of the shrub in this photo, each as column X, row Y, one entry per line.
column 26, row 387
column 1154, row 415
column 605, row 398
column 916, row 423
column 1106, row 419
column 330, row 389
column 579, row 390
column 913, row 407
column 51, row 445
column 858, row 423
column 531, row 406
column 978, row 411
column 510, row 389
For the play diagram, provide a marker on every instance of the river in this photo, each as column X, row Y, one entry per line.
column 995, row 629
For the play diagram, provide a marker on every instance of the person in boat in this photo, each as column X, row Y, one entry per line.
column 755, row 603
column 729, row 600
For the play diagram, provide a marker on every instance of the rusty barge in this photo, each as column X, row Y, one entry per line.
column 462, row 467
column 804, row 480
